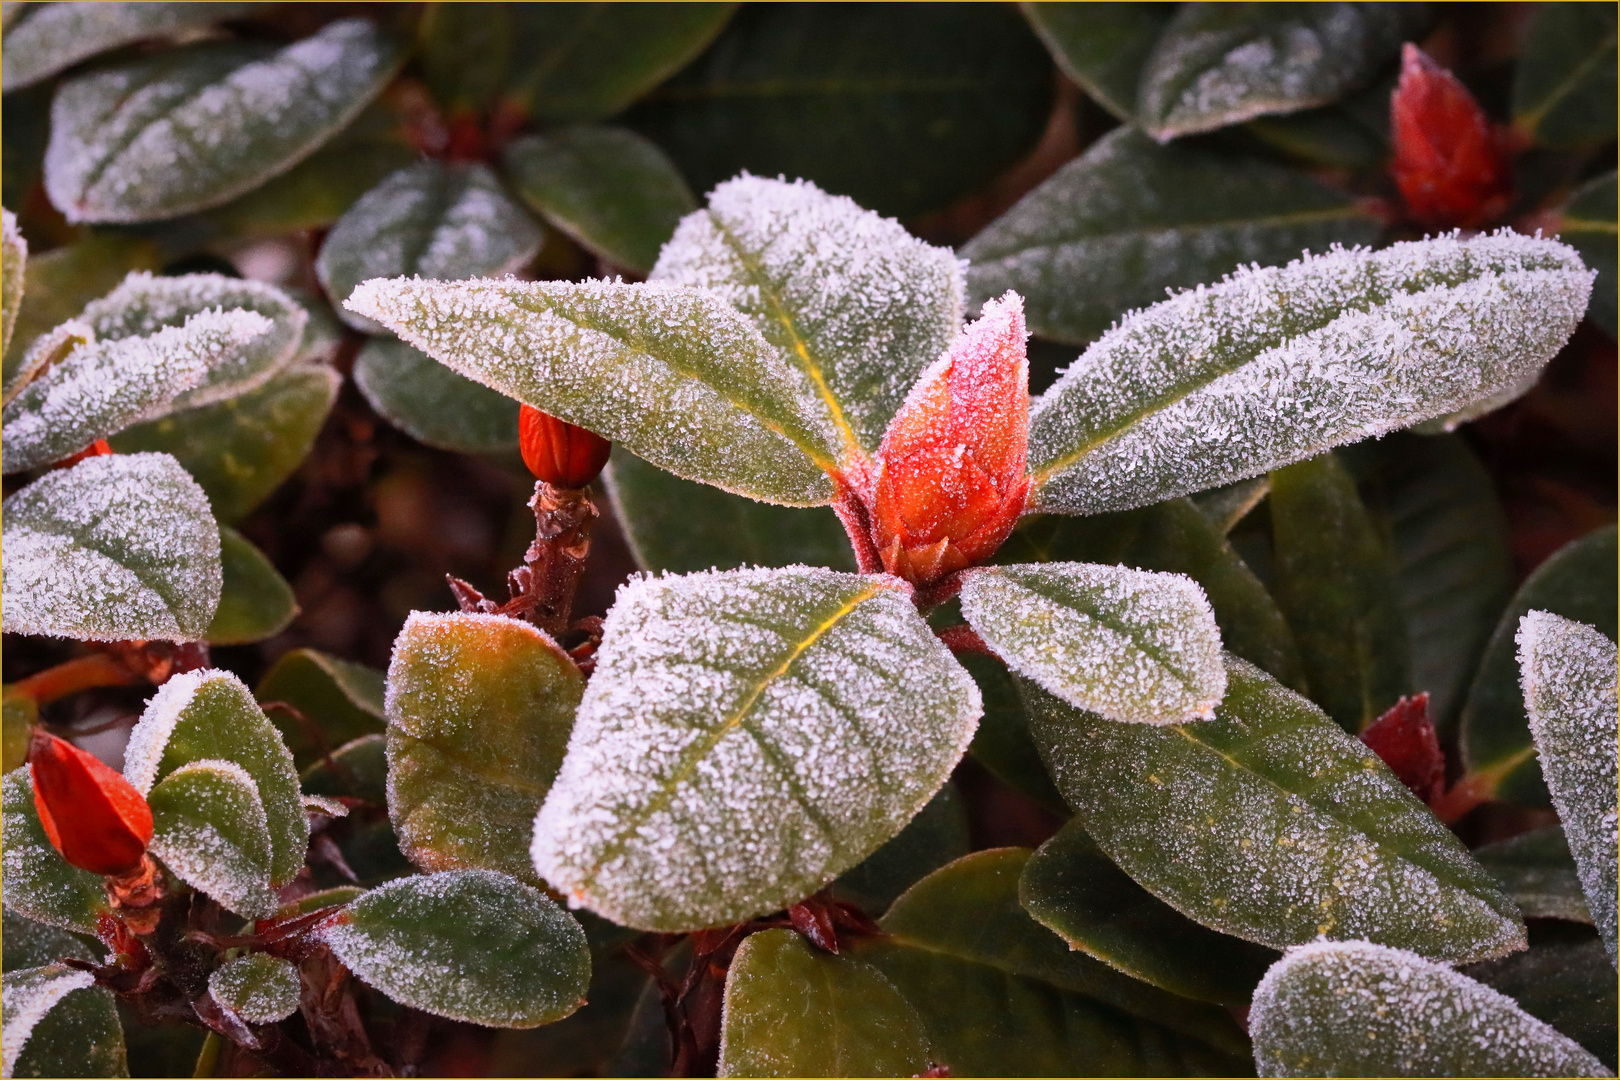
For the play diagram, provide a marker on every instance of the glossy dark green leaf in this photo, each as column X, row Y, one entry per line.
column 1349, row 134
column 1247, row 822
column 358, row 769
column 1564, row 84
column 258, row 987
column 1587, row 222
column 343, row 700
column 1226, row 507
column 210, row 828
column 1075, row 890
column 59, row 1023
column 25, row 127
column 255, row 602
column 936, row 836
column 1538, row 873
column 38, row 883
column 431, row 403
column 902, row 108
column 1564, row 978
column 1101, row 46
column 33, row 944
column 1578, row 582
column 1003, row 743
column 54, row 37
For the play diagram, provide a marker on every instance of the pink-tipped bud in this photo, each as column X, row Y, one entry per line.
column 91, row 814
column 561, row 454
column 1448, row 163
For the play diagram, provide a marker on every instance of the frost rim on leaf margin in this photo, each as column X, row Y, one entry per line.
column 54, row 983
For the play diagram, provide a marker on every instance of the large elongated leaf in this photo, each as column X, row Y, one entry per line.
column 1272, row 366
column 1003, row 743
column 1538, row 874
column 1101, row 46
column 56, row 36
column 179, row 131
column 13, row 257
column 255, row 602
column 746, row 737
column 1114, row 228
column 1250, row 822
column 58, row 1022
column 210, row 828
column 1564, row 978
column 39, row 884
column 936, row 836
column 673, row 373
column 119, row 546
column 1587, row 223
column 1564, row 83
column 431, row 403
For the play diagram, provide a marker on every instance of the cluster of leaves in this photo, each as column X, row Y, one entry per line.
column 1182, row 598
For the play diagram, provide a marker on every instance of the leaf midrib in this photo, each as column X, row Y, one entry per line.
column 1532, row 119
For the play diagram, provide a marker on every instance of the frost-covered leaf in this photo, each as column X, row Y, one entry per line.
column 680, row 526
column 1219, row 64
column 1101, row 46
column 1134, row 646
column 13, row 257
column 1358, row 1009
column 259, row 988
column 1113, row 229
column 792, row 1010
column 1564, row 82
column 610, row 189
column 936, row 836
column 1275, row 365
column 1570, row 674
column 58, row 1022
column 1587, row 223
column 99, row 388
column 208, row 715
column 179, row 131
column 56, row 36
column 1538, row 874
column 1270, row 823
column 38, row 883
column 850, row 300
column 255, row 601
column 433, row 220
column 746, row 737
column 241, row 449
column 431, row 403
column 1076, row 891
column 344, row 699
column 1564, row 978
column 479, row 711
column 210, row 828
column 674, row 373
column 119, row 546
column 471, row 945
column 33, row 944
column 357, row 769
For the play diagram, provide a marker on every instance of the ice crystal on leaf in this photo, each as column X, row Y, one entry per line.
column 56, row 37
column 28, row 996
column 213, row 832
column 259, row 988
column 37, row 882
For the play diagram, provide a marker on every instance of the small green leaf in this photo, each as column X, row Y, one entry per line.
column 58, row 1022
column 479, row 712
column 791, row 1010
column 1101, row 46
column 1003, row 743
column 13, row 258
column 1114, row 228
column 184, row 130
column 358, row 769
column 1564, row 83
column 433, row 220
column 56, row 36
column 1357, row 1009
column 1247, row 822
column 746, row 737
column 1076, row 891
column 1538, row 874
column 208, row 715
column 255, row 602
column 119, row 546
column 18, row 714
column 936, row 836
column 1587, row 223
column 33, row 944
column 1564, row 978
column 472, row 945
column 210, row 828
column 610, row 189
column 39, row 884
column 431, row 403
column 343, row 699
column 1135, row 646
column 260, row 988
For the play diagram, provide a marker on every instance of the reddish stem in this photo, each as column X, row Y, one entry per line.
column 80, row 673
column 964, row 639
column 858, row 524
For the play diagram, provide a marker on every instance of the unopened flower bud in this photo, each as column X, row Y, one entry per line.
column 561, row 454
column 1448, row 163
column 91, row 814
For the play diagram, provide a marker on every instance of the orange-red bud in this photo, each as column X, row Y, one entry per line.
column 91, row 814
column 559, row 453
column 1450, row 166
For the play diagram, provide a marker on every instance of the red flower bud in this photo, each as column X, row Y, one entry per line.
column 1450, row 166
column 559, row 453
column 949, row 482
column 1404, row 738
column 91, row 814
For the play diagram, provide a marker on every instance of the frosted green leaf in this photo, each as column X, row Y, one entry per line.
column 1570, row 674
column 746, row 737
column 1131, row 645
column 186, row 130
column 1101, row 46
column 1357, row 1009
column 255, row 601
column 259, row 988
column 479, row 711
column 1538, row 874
column 1564, row 82
column 431, row 403
column 1278, row 364
column 471, row 945
column 1270, row 823
column 210, row 828
column 1564, row 978
column 792, row 1010
column 357, row 769
column 853, row 303
column 102, row 387
column 209, row 715
column 117, row 547
column 434, row 220
column 13, row 257
column 56, row 36
column 32, row 944
column 38, row 883
column 936, row 836
column 674, row 373
column 344, row 699
column 59, row 1023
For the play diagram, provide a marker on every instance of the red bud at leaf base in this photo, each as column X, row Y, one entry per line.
column 949, row 483
column 559, row 453
column 1404, row 738
column 1449, row 165
column 91, row 814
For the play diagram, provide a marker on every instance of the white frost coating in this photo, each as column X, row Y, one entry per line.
column 848, row 298
column 747, row 736
column 211, row 829
column 1275, row 365
column 99, row 389
column 118, row 547
column 675, row 374
column 27, row 996
column 1352, row 1008
column 1570, row 675
column 57, row 36
column 260, row 988
column 13, row 257
column 1129, row 645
